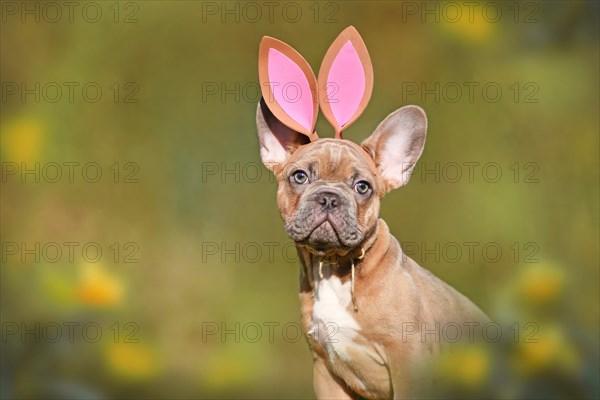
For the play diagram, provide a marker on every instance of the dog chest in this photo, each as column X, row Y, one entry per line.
column 333, row 325
column 349, row 354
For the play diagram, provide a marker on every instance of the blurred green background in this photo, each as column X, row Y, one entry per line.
column 185, row 216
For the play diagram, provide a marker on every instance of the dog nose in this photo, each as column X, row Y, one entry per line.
column 328, row 200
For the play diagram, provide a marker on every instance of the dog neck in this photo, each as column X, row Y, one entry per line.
column 353, row 265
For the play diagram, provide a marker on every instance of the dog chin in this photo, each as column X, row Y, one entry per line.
column 325, row 240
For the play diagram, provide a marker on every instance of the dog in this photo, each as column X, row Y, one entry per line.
column 364, row 304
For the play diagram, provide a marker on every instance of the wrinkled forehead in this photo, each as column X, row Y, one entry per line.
column 332, row 158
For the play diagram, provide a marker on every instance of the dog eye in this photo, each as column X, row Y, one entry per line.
column 362, row 187
column 300, row 177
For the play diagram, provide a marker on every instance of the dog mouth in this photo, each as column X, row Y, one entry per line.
column 327, row 234
column 324, row 236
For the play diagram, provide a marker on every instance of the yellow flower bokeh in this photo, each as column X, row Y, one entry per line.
column 540, row 284
column 549, row 349
column 466, row 365
column 133, row 360
column 229, row 368
column 98, row 287
column 22, row 140
column 466, row 23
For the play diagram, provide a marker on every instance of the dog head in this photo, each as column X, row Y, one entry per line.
column 330, row 189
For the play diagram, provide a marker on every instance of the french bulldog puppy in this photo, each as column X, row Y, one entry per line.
column 370, row 314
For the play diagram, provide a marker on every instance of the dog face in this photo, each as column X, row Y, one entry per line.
column 328, row 196
column 330, row 189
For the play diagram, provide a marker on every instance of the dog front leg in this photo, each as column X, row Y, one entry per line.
column 326, row 385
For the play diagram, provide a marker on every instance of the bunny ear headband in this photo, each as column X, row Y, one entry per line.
column 293, row 94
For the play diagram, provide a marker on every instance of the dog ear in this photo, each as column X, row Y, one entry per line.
column 397, row 144
column 277, row 141
column 345, row 80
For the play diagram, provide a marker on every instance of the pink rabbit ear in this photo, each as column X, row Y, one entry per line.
column 288, row 85
column 345, row 80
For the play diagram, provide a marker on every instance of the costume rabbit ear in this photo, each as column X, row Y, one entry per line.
column 345, row 80
column 288, row 86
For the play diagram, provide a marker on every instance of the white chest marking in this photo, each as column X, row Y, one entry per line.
column 336, row 326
